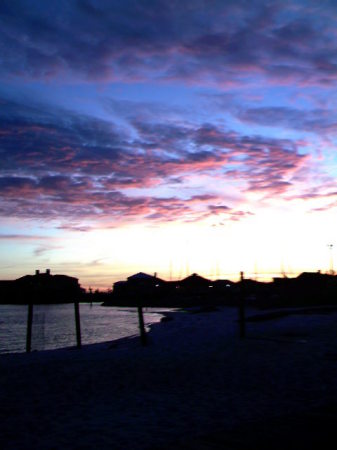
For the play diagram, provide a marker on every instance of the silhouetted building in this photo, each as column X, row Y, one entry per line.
column 195, row 284
column 307, row 288
column 41, row 288
column 137, row 287
column 143, row 289
column 142, row 278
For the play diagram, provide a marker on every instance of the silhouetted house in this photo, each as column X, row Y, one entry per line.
column 317, row 287
column 307, row 280
column 315, row 278
column 6, row 291
column 119, row 287
column 223, row 291
column 138, row 288
column 195, row 284
column 145, row 289
column 222, row 285
column 306, row 288
column 144, row 282
column 41, row 288
column 144, row 279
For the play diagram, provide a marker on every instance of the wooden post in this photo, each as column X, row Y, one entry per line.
column 242, row 318
column 141, row 326
column 77, row 324
column 29, row 328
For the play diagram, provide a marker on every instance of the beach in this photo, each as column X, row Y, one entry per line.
column 196, row 385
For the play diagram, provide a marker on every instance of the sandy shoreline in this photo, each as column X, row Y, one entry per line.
column 195, row 380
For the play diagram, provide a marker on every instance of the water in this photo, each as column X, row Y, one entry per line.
column 54, row 325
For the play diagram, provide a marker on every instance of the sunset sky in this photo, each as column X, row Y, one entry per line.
column 167, row 136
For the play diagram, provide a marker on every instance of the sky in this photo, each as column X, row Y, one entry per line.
column 167, row 136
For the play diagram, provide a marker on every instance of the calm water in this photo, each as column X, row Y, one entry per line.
column 54, row 325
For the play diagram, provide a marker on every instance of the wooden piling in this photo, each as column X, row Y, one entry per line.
column 142, row 331
column 29, row 328
column 242, row 316
column 77, row 324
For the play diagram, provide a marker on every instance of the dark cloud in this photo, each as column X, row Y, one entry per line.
column 328, row 207
column 58, row 164
column 218, row 208
column 216, row 42
column 316, row 120
column 37, row 139
column 26, row 237
column 76, row 228
column 11, row 185
column 224, row 213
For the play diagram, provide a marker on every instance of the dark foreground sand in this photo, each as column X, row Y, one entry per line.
column 196, row 386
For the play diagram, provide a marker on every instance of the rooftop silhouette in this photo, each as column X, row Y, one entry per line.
column 41, row 288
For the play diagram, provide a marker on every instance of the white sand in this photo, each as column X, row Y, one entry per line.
column 195, row 377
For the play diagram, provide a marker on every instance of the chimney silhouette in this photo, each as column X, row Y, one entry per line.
column 48, row 271
column 37, row 272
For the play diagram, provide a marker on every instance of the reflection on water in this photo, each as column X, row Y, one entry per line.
column 54, row 325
